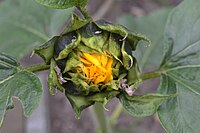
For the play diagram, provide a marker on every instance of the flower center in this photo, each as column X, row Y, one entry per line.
column 97, row 67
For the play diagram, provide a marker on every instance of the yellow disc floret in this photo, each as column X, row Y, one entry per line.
column 97, row 67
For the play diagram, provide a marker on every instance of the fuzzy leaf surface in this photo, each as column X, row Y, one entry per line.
column 63, row 4
column 23, row 85
column 144, row 105
column 181, row 69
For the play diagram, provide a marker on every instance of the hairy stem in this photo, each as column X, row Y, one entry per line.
column 36, row 68
column 101, row 119
column 84, row 12
column 148, row 75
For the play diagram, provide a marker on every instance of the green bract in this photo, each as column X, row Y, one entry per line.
column 83, row 35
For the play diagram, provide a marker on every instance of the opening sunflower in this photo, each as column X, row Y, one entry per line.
column 96, row 67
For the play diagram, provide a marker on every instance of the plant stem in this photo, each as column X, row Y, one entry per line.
column 116, row 113
column 84, row 12
column 36, row 68
column 101, row 119
column 148, row 75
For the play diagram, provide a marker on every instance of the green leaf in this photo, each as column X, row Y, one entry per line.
column 8, row 66
column 180, row 114
column 153, row 27
column 63, row 4
column 46, row 50
column 127, row 59
column 25, row 25
column 181, row 69
column 144, row 105
column 103, row 97
column 53, row 79
column 75, row 23
column 66, row 51
column 132, row 37
column 79, row 103
column 93, row 40
column 22, row 85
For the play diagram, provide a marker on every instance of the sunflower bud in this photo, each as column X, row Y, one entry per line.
column 90, row 61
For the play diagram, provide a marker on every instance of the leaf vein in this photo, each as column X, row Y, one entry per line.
column 186, row 48
column 180, row 67
column 180, row 82
column 2, row 81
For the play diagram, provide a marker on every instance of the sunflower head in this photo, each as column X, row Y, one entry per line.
column 97, row 68
column 90, row 61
